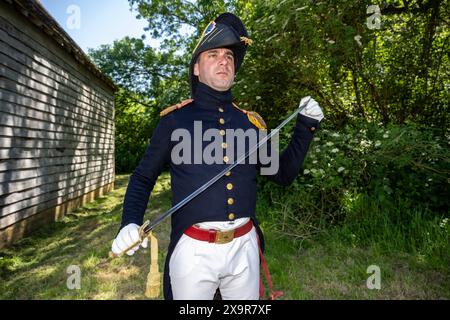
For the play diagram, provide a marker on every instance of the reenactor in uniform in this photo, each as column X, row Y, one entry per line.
column 215, row 240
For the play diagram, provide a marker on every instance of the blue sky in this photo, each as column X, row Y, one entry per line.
column 99, row 21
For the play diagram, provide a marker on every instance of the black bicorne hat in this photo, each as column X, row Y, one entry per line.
column 226, row 31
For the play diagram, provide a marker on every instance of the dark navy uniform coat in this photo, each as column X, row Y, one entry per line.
column 215, row 110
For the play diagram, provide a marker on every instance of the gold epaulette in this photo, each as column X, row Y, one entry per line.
column 254, row 118
column 175, row 107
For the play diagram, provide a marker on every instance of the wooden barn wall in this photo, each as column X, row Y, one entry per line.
column 56, row 129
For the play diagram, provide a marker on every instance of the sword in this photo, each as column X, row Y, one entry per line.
column 148, row 226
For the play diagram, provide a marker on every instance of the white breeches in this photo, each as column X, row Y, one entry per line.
column 198, row 268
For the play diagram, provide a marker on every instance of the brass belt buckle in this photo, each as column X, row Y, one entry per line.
column 224, row 236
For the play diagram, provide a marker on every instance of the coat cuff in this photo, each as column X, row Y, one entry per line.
column 312, row 125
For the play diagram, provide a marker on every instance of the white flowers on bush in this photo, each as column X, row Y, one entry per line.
column 316, row 139
column 365, row 143
column 329, row 144
column 340, row 169
column 335, row 150
column 306, row 171
column 335, row 135
column 377, row 143
column 258, row 97
column 386, row 135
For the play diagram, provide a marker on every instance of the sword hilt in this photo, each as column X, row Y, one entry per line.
column 142, row 235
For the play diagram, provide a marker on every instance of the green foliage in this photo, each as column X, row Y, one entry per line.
column 138, row 68
column 325, row 49
column 387, row 186
column 134, row 124
column 406, row 162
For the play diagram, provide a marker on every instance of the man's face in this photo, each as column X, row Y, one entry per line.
column 215, row 68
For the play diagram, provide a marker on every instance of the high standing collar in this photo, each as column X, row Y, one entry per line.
column 206, row 96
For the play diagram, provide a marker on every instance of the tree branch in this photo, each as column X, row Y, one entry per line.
column 391, row 9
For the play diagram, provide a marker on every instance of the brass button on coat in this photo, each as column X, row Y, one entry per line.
column 224, row 145
column 229, row 186
column 230, row 201
column 222, row 121
column 226, row 159
column 228, row 173
column 220, row 109
column 222, row 132
column 231, row 216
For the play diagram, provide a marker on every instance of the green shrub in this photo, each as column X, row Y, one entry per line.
column 384, row 184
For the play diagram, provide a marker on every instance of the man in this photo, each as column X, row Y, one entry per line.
column 215, row 238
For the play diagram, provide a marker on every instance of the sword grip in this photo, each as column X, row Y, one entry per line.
column 142, row 235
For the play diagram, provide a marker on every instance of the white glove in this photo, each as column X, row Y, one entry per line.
column 126, row 237
column 312, row 109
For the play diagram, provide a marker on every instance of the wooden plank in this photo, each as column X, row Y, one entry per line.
column 16, row 60
column 48, row 122
column 76, row 169
column 34, row 153
column 104, row 108
column 29, row 180
column 16, row 93
column 21, row 142
column 40, row 193
column 58, row 161
column 12, row 69
column 54, row 99
column 10, row 219
column 15, row 98
column 51, row 191
column 12, row 100
column 53, row 60
column 56, row 136
column 50, row 88
column 61, row 125
column 62, row 136
column 9, row 209
column 24, row 227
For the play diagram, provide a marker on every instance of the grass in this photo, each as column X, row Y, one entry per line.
column 328, row 269
column 410, row 247
column 36, row 267
column 325, row 266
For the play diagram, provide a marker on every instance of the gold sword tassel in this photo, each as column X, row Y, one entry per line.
column 153, row 287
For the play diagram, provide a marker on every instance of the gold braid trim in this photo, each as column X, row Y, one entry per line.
column 254, row 118
column 175, row 107
column 247, row 41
